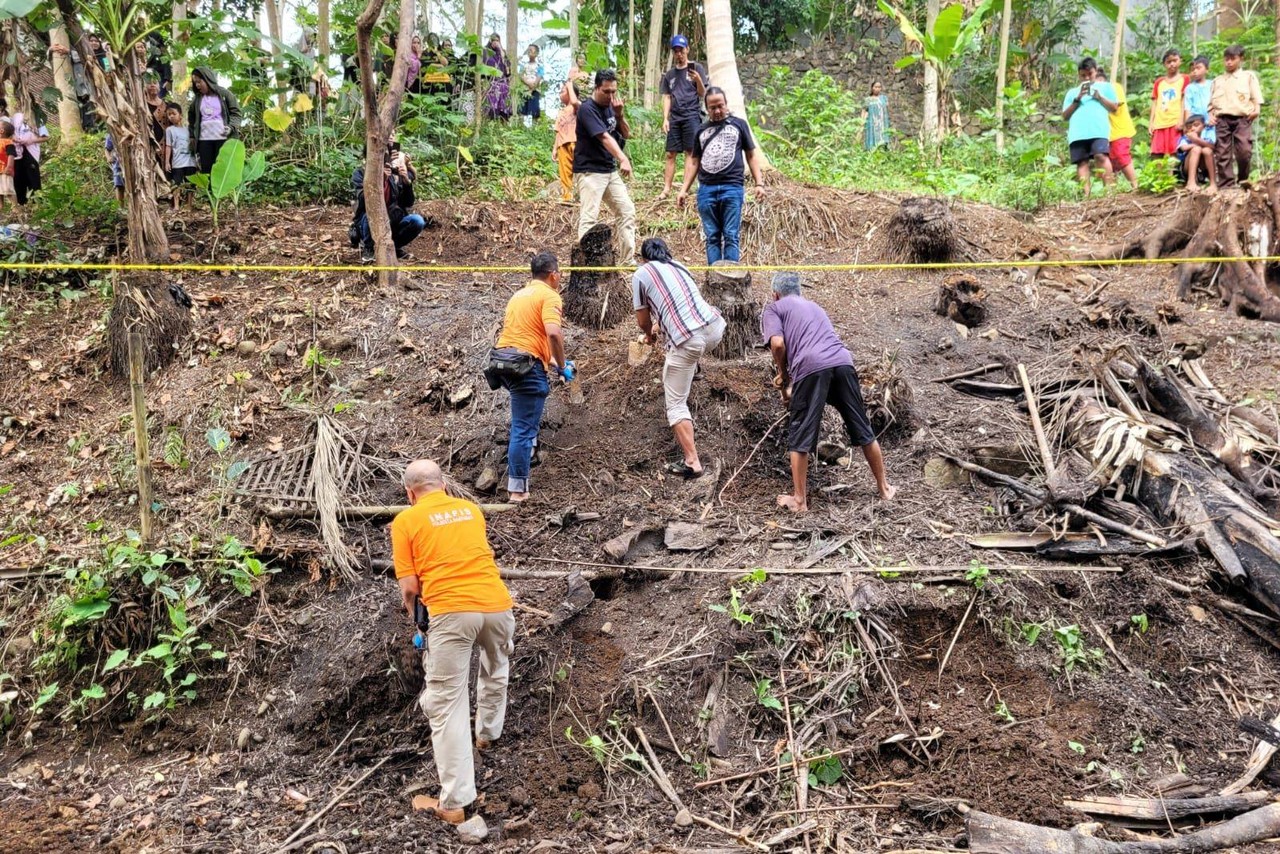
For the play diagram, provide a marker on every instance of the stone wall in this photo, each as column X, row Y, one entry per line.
column 855, row 61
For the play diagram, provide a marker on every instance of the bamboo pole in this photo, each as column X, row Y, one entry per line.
column 1046, row 456
column 1002, row 74
column 141, row 442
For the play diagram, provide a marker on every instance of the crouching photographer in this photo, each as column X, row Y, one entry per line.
column 397, row 190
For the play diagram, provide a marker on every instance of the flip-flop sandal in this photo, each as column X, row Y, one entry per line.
column 684, row 470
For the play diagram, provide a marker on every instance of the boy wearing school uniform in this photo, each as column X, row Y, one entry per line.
column 1234, row 102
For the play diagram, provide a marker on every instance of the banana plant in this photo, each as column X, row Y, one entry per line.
column 230, row 175
column 947, row 45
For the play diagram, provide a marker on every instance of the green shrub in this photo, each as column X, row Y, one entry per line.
column 76, row 187
column 1156, row 176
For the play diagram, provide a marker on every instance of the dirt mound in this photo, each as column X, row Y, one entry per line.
column 738, row 678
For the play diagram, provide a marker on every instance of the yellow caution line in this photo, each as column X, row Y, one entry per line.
column 430, row 268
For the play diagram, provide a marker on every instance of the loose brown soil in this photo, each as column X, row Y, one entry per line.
column 322, row 673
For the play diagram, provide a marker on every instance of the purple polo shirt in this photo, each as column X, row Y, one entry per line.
column 811, row 340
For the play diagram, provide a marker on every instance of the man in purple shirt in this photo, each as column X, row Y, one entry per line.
column 814, row 369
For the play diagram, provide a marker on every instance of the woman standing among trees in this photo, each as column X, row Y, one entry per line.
column 876, row 130
column 214, row 117
column 498, row 104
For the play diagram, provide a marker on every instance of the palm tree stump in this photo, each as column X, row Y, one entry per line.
column 962, row 298
column 594, row 299
column 922, row 231
column 151, row 306
column 728, row 288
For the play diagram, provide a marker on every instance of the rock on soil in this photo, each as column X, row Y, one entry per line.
column 473, row 831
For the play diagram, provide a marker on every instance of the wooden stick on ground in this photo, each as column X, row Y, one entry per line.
column 659, row 773
column 1046, row 456
column 989, row 834
column 1261, row 757
column 141, row 440
column 1032, row 492
column 773, row 769
column 943, row 666
column 1160, row 809
column 738, row 470
column 366, row 511
column 333, row 802
column 972, row 372
column 776, row 570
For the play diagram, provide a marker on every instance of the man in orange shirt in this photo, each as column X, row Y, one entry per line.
column 530, row 347
column 443, row 558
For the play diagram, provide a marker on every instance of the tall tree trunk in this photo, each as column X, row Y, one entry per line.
column 1230, row 15
column 515, row 88
column 631, row 50
column 178, row 35
column 1118, row 48
column 272, row 10
column 675, row 28
column 322, row 35
column 63, row 78
column 653, row 59
column 930, row 128
column 722, row 63
column 379, row 122
column 1002, row 73
column 573, row 28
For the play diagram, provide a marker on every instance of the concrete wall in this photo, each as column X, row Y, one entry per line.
column 855, row 61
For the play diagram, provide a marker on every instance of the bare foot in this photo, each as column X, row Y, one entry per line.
column 888, row 492
column 1211, row 189
column 1193, row 187
column 790, row 502
column 518, row 497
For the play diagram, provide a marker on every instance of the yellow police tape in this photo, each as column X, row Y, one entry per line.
column 105, row 266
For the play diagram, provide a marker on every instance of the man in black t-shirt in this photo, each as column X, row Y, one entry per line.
column 723, row 150
column 682, row 88
column 598, row 158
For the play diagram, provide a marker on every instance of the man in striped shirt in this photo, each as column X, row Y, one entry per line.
column 663, row 290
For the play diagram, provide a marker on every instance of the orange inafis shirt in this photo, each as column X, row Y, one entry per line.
column 528, row 312
column 443, row 541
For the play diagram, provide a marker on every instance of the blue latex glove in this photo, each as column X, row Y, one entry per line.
column 568, row 372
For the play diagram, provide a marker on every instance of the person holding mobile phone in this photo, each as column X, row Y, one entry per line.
column 1087, row 109
column 683, row 88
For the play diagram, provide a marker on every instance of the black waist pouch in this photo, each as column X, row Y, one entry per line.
column 506, row 362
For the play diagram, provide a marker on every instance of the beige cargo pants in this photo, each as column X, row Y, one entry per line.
column 446, row 698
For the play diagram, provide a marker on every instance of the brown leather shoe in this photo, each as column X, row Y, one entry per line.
column 483, row 744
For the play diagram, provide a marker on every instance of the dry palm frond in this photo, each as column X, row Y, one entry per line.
column 325, row 490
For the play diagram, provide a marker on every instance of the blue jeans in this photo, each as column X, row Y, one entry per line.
column 720, row 207
column 528, row 397
column 401, row 235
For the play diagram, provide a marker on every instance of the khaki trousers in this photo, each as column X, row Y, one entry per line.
column 609, row 188
column 680, row 366
column 446, row 697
